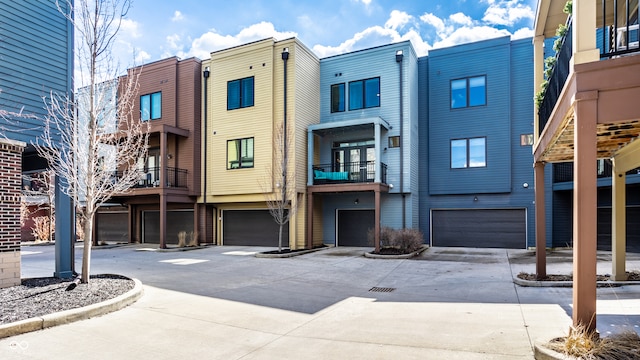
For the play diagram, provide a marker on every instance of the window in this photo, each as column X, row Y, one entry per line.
column 337, row 97
column 468, row 92
column 151, row 106
column 240, row 93
column 394, row 141
column 466, row 153
column 240, row 153
column 526, row 139
column 364, row 94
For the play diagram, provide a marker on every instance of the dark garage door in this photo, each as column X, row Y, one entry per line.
column 353, row 226
column 251, row 228
column 495, row 228
column 633, row 229
column 113, row 227
column 177, row 220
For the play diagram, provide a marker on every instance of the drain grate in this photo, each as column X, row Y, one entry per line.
column 381, row 289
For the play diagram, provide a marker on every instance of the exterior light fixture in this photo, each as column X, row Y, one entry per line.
column 525, row 185
column 285, row 53
column 206, row 72
column 475, row 198
column 399, row 56
column 357, row 201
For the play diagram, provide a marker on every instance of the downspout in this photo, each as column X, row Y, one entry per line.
column 205, row 74
column 285, row 160
column 399, row 57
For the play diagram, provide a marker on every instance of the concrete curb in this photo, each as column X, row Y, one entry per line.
column 541, row 352
column 403, row 256
column 535, row 283
column 72, row 315
column 288, row 255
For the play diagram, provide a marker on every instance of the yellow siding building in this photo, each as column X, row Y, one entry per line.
column 244, row 105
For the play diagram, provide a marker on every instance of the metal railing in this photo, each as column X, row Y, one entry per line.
column 619, row 37
column 175, row 177
column 563, row 172
column 557, row 79
column 348, row 172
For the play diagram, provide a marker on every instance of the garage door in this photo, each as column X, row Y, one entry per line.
column 495, row 228
column 177, row 221
column 251, row 228
column 353, row 226
column 633, row 229
column 113, row 227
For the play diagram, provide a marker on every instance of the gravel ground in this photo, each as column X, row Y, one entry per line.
column 41, row 296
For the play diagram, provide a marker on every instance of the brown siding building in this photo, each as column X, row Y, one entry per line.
column 169, row 98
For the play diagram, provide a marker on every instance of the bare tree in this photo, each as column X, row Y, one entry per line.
column 283, row 201
column 94, row 141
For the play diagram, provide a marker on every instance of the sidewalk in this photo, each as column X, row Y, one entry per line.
column 445, row 304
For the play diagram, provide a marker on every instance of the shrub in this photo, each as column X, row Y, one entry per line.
column 193, row 239
column 408, row 240
column 182, row 236
column 404, row 240
column 40, row 229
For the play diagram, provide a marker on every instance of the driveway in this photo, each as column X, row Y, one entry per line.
column 223, row 303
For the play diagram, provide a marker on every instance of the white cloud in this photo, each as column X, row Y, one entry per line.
column 506, row 12
column 470, row 34
column 378, row 35
column 173, row 41
column 202, row 46
column 177, row 16
column 397, row 20
column 365, row 2
column 129, row 29
column 434, row 21
column 522, row 33
column 462, row 19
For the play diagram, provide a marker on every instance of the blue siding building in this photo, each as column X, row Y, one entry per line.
column 36, row 58
column 476, row 175
column 363, row 155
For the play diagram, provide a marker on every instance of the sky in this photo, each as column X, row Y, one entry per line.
column 156, row 30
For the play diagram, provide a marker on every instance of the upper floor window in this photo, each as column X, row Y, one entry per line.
column 337, row 97
column 240, row 153
column 364, row 94
column 240, row 93
column 468, row 92
column 151, row 106
column 467, row 153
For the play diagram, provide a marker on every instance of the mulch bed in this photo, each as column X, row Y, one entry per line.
column 631, row 276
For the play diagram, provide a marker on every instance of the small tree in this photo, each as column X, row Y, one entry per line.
column 280, row 201
column 85, row 140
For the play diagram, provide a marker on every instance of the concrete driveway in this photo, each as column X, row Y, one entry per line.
column 223, row 303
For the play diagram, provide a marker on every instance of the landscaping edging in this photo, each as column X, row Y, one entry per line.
column 289, row 254
column 72, row 315
column 541, row 352
column 536, row 283
column 403, row 256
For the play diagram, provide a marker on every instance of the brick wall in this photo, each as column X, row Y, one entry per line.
column 10, row 182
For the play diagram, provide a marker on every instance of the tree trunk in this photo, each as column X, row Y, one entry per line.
column 280, row 238
column 86, row 252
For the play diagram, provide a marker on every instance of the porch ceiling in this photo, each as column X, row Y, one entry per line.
column 549, row 15
column 352, row 124
column 610, row 138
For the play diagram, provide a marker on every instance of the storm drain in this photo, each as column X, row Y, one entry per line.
column 381, row 289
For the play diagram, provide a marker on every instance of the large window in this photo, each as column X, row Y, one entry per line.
column 240, row 93
column 240, row 153
column 467, row 153
column 364, row 94
column 337, row 97
column 468, row 92
column 151, row 106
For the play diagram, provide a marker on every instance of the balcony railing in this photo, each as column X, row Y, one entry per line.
column 563, row 172
column 348, row 172
column 151, row 178
column 619, row 37
column 557, row 79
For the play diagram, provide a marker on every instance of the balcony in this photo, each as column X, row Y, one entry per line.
column 563, row 172
column 150, row 178
column 348, row 172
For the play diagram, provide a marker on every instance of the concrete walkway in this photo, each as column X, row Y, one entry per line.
column 224, row 303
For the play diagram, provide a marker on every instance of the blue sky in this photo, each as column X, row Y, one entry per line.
column 158, row 29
